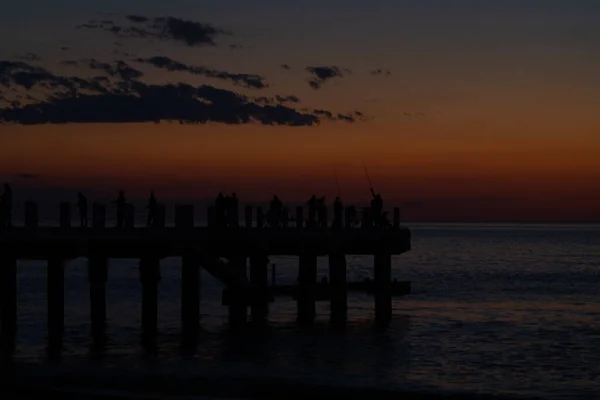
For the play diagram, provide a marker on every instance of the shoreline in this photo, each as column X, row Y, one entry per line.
column 161, row 386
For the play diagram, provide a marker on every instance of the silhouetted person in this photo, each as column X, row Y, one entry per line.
column 351, row 216
column 233, row 210
column 322, row 212
column 121, row 203
column 338, row 211
column 376, row 208
column 82, row 206
column 152, row 205
column 6, row 207
column 275, row 211
column 312, row 211
column 221, row 210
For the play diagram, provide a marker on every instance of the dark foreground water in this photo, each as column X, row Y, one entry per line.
column 498, row 309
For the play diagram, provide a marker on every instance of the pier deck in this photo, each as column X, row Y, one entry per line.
column 69, row 243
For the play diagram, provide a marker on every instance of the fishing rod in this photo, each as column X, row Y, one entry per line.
column 368, row 177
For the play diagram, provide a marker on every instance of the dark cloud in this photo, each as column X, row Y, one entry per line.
column 137, row 18
column 25, row 175
column 286, row 66
column 277, row 99
column 252, row 81
column 14, row 75
column 191, row 33
column 125, row 99
column 385, row 72
column 322, row 74
column 118, row 69
column 348, row 117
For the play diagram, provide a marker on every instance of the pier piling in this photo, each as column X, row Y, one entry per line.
column 190, row 294
column 97, row 276
column 339, row 294
column 383, row 287
column 307, row 281
column 259, row 279
column 56, row 304
column 238, row 310
column 8, row 303
column 149, row 278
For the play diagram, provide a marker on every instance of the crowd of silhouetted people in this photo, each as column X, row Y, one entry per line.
column 227, row 212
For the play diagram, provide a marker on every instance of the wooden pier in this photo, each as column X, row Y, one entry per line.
column 200, row 247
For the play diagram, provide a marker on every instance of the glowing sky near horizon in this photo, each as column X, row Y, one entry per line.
column 491, row 106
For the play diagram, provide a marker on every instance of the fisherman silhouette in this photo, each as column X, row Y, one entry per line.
column 152, row 205
column 312, row 211
column 121, row 203
column 6, row 207
column 322, row 212
column 275, row 211
column 82, row 206
column 351, row 217
column 233, row 210
column 377, row 208
column 338, row 210
column 221, row 211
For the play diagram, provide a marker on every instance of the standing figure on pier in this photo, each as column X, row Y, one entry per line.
column 6, row 207
column 338, row 211
column 233, row 211
column 351, row 217
column 82, row 206
column 221, row 204
column 275, row 211
column 312, row 211
column 152, row 205
column 121, row 203
column 322, row 212
column 377, row 209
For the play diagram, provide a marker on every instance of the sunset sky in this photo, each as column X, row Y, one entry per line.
column 461, row 109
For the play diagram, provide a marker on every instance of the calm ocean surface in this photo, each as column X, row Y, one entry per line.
column 502, row 309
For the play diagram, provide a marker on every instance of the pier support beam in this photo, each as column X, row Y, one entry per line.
column 238, row 310
column 307, row 280
column 99, row 216
column 65, row 215
column 97, row 276
column 149, row 277
column 383, row 288
column 248, row 217
column 339, row 293
column 129, row 216
column 259, row 279
column 56, row 304
column 31, row 215
column 190, row 296
column 8, row 303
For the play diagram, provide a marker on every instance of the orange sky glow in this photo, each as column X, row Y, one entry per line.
column 495, row 119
